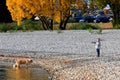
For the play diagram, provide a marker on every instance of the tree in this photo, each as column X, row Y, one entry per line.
column 21, row 9
column 18, row 10
column 64, row 7
column 46, row 10
column 114, row 4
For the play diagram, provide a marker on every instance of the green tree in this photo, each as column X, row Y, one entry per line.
column 114, row 4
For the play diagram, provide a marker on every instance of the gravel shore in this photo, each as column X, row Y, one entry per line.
column 69, row 55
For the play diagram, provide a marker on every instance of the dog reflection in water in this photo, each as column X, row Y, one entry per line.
column 23, row 74
column 20, row 62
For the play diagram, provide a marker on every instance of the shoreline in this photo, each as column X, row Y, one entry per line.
column 77, row 67
column 10, row 60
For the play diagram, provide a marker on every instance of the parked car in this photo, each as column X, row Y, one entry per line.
column 88, row 19
column 77, row 19
column 110, row 15
column 100, row 12
column 102, row 19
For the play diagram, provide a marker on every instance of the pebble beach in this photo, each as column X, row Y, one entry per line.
column 68, row 55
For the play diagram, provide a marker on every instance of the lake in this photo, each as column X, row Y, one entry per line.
column 8, row 73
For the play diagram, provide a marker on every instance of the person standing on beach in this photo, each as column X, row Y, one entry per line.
column 97, row 46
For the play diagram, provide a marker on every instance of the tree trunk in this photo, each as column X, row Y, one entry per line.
column 45, row 23
column 51, row 24
column 66, row 21
column 63, row 23
column 116, row 18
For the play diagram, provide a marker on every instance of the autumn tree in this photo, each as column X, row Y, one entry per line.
column 57, row 10
column 21, row 9
column 114, row 4
column 64, row 7
column 18, row 10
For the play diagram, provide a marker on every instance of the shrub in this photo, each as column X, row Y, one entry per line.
column 71, row 20
column 30, row 25
column 27, row 25
column 83, row 26
column 87, row 26
column 90, row 30
column 117, row 27
column 3, row 27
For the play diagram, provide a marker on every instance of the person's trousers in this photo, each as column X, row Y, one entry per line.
column 98, row 52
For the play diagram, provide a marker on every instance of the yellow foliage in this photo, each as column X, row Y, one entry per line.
column 55, row 9
column 57, row 17
column 17, row 11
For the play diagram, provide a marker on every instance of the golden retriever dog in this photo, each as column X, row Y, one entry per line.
column 22, row 61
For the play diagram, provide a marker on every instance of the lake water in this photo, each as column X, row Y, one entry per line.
column 8, row 73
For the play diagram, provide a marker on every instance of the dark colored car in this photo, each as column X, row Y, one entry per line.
column 101, row 12
column 88, row 19
column 77, row 19
column 102, row 19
